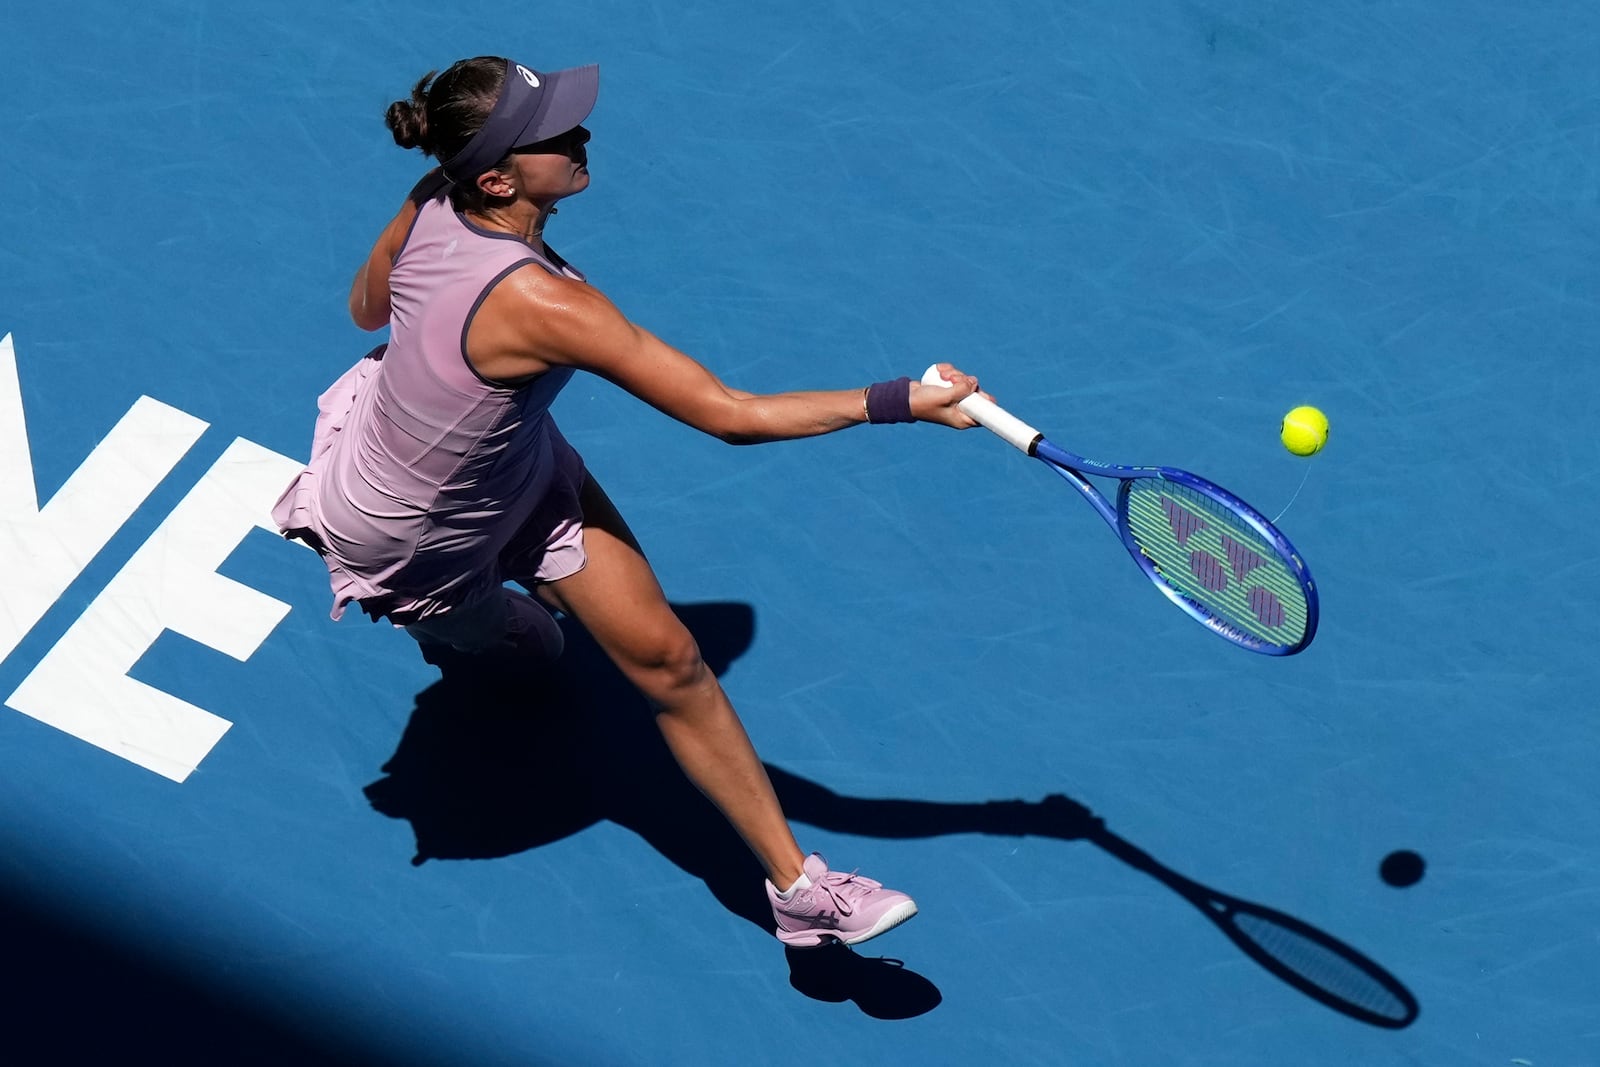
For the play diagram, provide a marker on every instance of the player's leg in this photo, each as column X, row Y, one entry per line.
column 619, row 601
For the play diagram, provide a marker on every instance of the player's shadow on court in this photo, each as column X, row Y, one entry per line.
column 494, row 762
column 498, row 761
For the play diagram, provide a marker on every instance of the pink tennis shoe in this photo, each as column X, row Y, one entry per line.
column 831, row 906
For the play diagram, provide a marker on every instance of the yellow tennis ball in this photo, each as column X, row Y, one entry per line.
column 1305, row 431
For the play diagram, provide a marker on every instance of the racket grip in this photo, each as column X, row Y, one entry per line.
column 991, row 416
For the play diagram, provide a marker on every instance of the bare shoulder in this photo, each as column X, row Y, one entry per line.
column 534, row 320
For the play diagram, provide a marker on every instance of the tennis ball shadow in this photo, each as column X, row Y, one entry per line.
column 1402, row 868
column 496, row 760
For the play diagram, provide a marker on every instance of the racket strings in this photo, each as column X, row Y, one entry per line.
column 1333, row 970
column 1209, row 554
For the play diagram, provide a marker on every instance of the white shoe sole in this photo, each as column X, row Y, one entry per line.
column 886, row 922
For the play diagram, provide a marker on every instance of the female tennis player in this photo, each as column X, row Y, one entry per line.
column 437, row 474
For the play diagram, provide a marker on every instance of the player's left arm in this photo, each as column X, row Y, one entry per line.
column 369, row 293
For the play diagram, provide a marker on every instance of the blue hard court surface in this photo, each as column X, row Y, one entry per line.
column 1150, row 228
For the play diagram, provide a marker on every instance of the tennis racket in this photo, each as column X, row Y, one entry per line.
column 1209, row 552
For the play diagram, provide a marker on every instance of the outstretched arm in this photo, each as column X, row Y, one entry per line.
column 534, row 321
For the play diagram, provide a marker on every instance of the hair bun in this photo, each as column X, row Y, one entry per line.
column 408, row 119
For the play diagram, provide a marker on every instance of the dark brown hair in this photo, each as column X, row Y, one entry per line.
column 445, row 110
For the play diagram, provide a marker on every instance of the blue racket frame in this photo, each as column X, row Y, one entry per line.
column 1070, row 466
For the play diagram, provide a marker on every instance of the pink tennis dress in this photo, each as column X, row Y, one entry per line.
column 430, row 486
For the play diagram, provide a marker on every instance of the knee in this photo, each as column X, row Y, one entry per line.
column 670, row 664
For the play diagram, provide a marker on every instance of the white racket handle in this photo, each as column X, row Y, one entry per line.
column 992, row 416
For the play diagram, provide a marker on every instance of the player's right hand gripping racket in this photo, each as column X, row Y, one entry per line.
column 1212, row 554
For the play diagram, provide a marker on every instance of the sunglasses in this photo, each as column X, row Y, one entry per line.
column 559, row 145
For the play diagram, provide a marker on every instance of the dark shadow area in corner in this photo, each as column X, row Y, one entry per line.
column 75, row 996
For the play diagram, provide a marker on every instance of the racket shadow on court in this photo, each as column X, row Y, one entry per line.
column 497, row 761
column 1308, row 959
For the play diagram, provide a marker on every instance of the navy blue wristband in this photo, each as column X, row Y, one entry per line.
column 890, row 401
